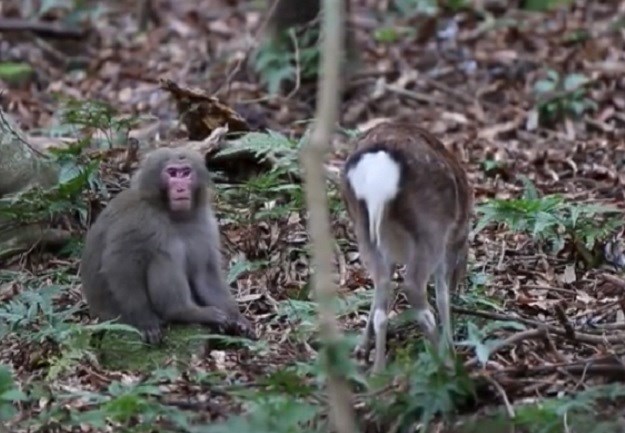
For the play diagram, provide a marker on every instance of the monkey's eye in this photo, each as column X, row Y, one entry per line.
column 178, row 171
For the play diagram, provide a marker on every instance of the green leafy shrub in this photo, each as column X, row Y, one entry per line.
column 280, row 186
column 551, row 219
column 9, row 394
column 430, row 389
column 562, row 96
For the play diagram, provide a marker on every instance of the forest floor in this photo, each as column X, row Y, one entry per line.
column 530, row 101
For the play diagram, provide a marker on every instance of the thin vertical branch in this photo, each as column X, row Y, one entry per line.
column 332, row 47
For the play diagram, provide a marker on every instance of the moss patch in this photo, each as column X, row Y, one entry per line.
column 126, row 351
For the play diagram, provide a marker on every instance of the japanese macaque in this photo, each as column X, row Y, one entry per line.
column 153, row 255
column 411, row 203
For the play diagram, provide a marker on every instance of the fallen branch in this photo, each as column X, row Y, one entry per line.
column 579, row 336
column 414, row 95
column 41, row 28
column 605, row 365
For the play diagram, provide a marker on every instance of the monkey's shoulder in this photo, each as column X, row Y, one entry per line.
column 128, row 218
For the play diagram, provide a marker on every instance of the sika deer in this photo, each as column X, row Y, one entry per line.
column 410, row 202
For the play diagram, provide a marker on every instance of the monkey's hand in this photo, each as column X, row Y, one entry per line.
column 152, row 333
column 243, row 327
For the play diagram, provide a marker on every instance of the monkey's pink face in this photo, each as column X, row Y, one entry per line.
column 179, row 180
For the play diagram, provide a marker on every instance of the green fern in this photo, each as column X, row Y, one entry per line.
column 276, row 192
column 551, row 218
column 276, row 147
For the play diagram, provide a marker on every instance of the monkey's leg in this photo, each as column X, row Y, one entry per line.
column 131, row 296
column 171, row 296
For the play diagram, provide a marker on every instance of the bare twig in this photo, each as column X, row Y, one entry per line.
column 342, row 265
column 502, row 256
column 561, row 316
column 312, row 157
column 461, row 96
column 504, row 396
column 298, row 72
column 554, row 349
column 614, row 280
column 414, row 95
column 7, row 125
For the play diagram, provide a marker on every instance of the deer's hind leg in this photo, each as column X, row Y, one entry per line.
column 380, row 268
column 426, row 258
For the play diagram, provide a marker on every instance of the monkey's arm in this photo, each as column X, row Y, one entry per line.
column 209, row 284
column 210, row 289
column 207, row 279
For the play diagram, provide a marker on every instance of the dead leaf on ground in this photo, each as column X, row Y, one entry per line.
column 202, row 113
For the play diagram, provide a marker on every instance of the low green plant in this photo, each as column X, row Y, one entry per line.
column 44, row 204
column 482, row 342
column 551, row 219
column 301, row 313
column 133, row 407
column 242, row 266
column 475, row 296
column 562, row 96
column 414, row 7
column 14, row 72
column 9, row 394
column 84, row 117
column 77, row 11
column 274, row 413
column 33, row 317
column 543, row 5
column 577, row 412
column 278, row 191
column 430, row 389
